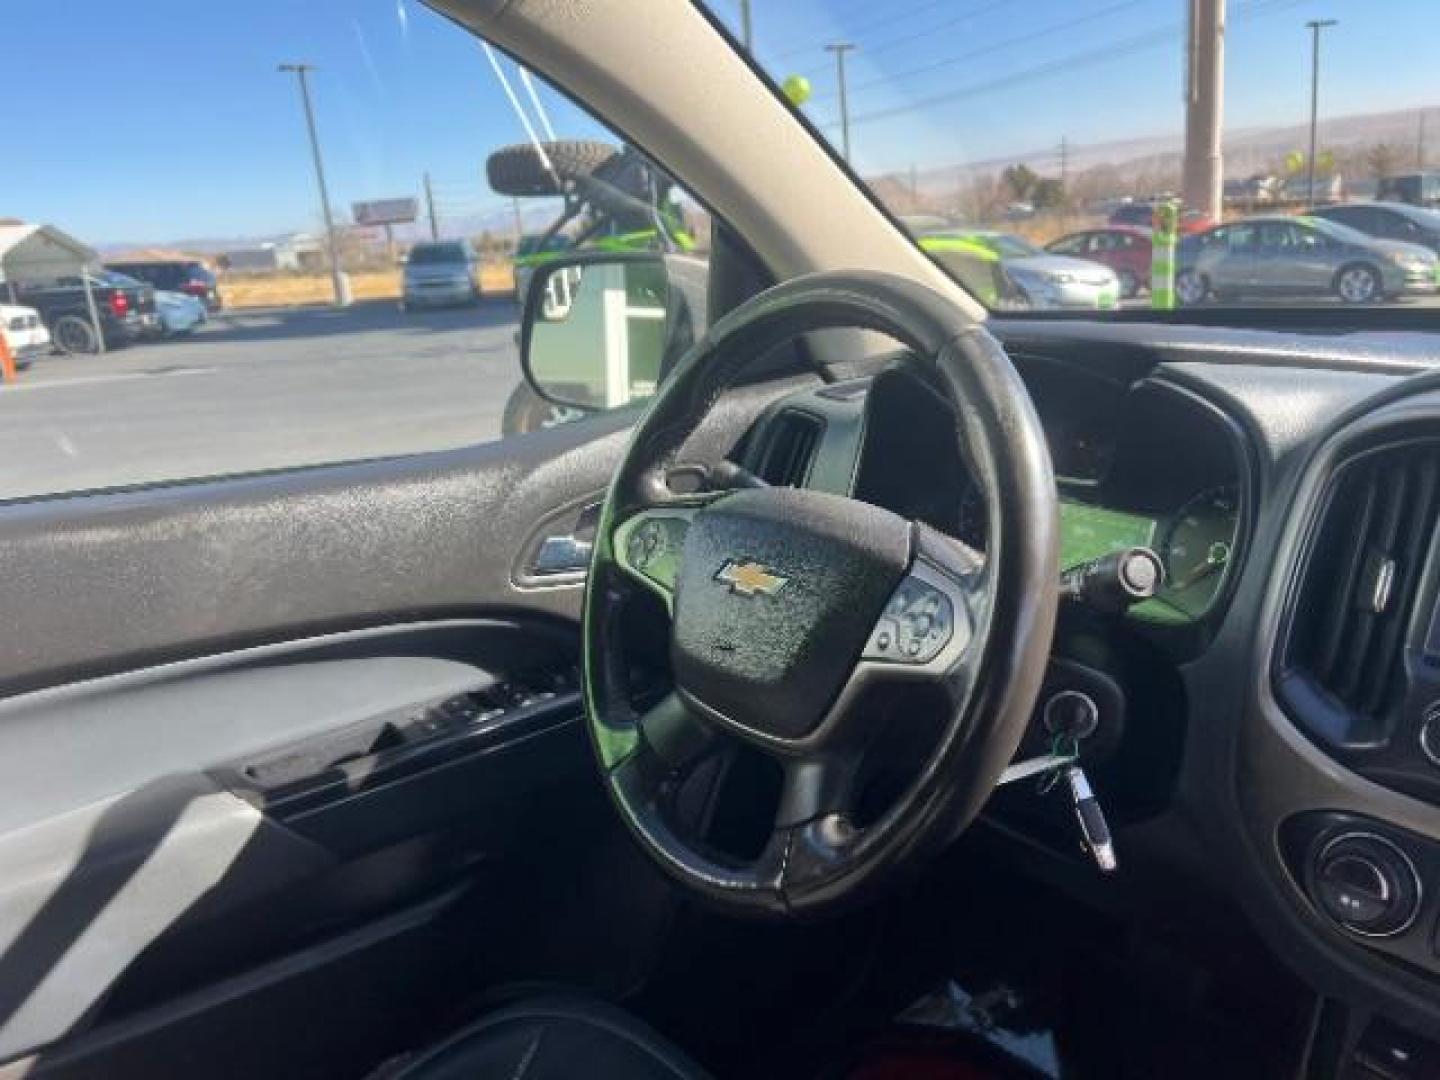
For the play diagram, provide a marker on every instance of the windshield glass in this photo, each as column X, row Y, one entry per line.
column 437, row 253
column 1085, row 116
column 1008, row 246
column 1335, row 231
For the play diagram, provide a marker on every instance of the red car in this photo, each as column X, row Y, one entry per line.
column 1124, row 250
column 1139, row 215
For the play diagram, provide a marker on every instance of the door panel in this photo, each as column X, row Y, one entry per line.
column 241, row 718
column 119, row 580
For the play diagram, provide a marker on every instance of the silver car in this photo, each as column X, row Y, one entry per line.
column 1298, row 256
column 440, row 273
column 1046, row 281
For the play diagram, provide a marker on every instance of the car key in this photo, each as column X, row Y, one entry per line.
column 1094, row 830
column 1051, row 763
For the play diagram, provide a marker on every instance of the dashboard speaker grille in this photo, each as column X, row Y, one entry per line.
column 1357, row 595
column 789, row 449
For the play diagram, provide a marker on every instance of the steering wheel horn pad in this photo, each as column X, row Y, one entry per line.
column 778, row 592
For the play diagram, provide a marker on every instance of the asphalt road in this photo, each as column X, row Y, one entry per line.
column 259, row 390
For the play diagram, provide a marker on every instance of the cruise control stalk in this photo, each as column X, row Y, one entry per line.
column 1115, row 582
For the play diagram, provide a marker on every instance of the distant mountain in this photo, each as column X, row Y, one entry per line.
column 534, row 215
column 1246, row 150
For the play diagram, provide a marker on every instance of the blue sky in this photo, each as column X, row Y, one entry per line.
column 173, row 122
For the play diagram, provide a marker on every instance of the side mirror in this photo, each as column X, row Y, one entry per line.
column 602, row 329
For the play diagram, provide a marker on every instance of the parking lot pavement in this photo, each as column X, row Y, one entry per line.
column 257, row 390
column 265, row 389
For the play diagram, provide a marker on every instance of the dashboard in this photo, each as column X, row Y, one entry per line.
column 1144, row 465
column 1272, row 716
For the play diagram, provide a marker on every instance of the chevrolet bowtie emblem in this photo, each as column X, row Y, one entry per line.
column 749, row 578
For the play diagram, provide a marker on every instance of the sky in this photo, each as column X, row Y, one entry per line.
column 174, row 123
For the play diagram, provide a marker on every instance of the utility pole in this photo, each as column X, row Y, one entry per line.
column 1420, row 142
column 747, row 31
column 430, row 206
column 1064, row 163
column 915, row 185
column 1315, row 26
column 1205, row 107
column 337, row 280
column 840, row 48
column 519, row 223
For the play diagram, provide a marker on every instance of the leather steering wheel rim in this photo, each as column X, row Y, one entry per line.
column 1005, row 599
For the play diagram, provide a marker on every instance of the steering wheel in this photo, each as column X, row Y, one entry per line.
column 788, row 605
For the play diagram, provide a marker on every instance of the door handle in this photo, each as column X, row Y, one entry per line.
column 562, row 555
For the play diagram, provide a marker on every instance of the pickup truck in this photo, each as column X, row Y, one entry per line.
column 126, row 311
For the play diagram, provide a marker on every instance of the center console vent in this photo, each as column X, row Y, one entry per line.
column 1344, row 660
column 788, row 448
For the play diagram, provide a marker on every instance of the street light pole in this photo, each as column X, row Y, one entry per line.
column 747, row 32
column 337, row 281
column 1315, row 25
column 840, row 48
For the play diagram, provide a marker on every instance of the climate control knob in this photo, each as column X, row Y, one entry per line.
column 1367, row 884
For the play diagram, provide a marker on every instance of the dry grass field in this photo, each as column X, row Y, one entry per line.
column 297, row 290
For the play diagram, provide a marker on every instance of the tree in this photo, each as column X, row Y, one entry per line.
column 1020, row 180
column 1047, row 193
column 1382, row 160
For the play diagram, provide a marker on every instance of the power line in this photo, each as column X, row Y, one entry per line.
column 1085, row 58
column 1020, row 39
column 887, row 19
column 916, row 35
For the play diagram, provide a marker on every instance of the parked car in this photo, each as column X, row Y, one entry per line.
column 440, row 273
column 179, row 313
column 1328, row 189
column 1388, row 221
column 1251, row 190
column 976, row 266
column 1124, row 250
column 1045, row 280
column 24, row 333
column 1417, row 189
column 1297, row 256
column 126, row 312
column 1140, row 215
column 179, row 275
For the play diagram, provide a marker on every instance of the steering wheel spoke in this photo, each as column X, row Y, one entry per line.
column 818, row 786
column 675, row 734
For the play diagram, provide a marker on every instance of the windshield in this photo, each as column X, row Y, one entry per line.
column 1007, row 246
column 1335, row 231
column 437, row 253
column 1051, row 127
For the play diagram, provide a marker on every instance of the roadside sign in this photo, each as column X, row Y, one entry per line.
column 385, row 211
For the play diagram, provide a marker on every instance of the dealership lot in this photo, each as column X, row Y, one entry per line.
column 256, row 390
column 264, row 389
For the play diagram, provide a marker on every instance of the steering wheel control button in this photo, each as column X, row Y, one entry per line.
column 1367, row 884
column 652, row 547
column 918, row 622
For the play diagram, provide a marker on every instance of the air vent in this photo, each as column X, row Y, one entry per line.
column 1345, row 656
column 788, row 449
